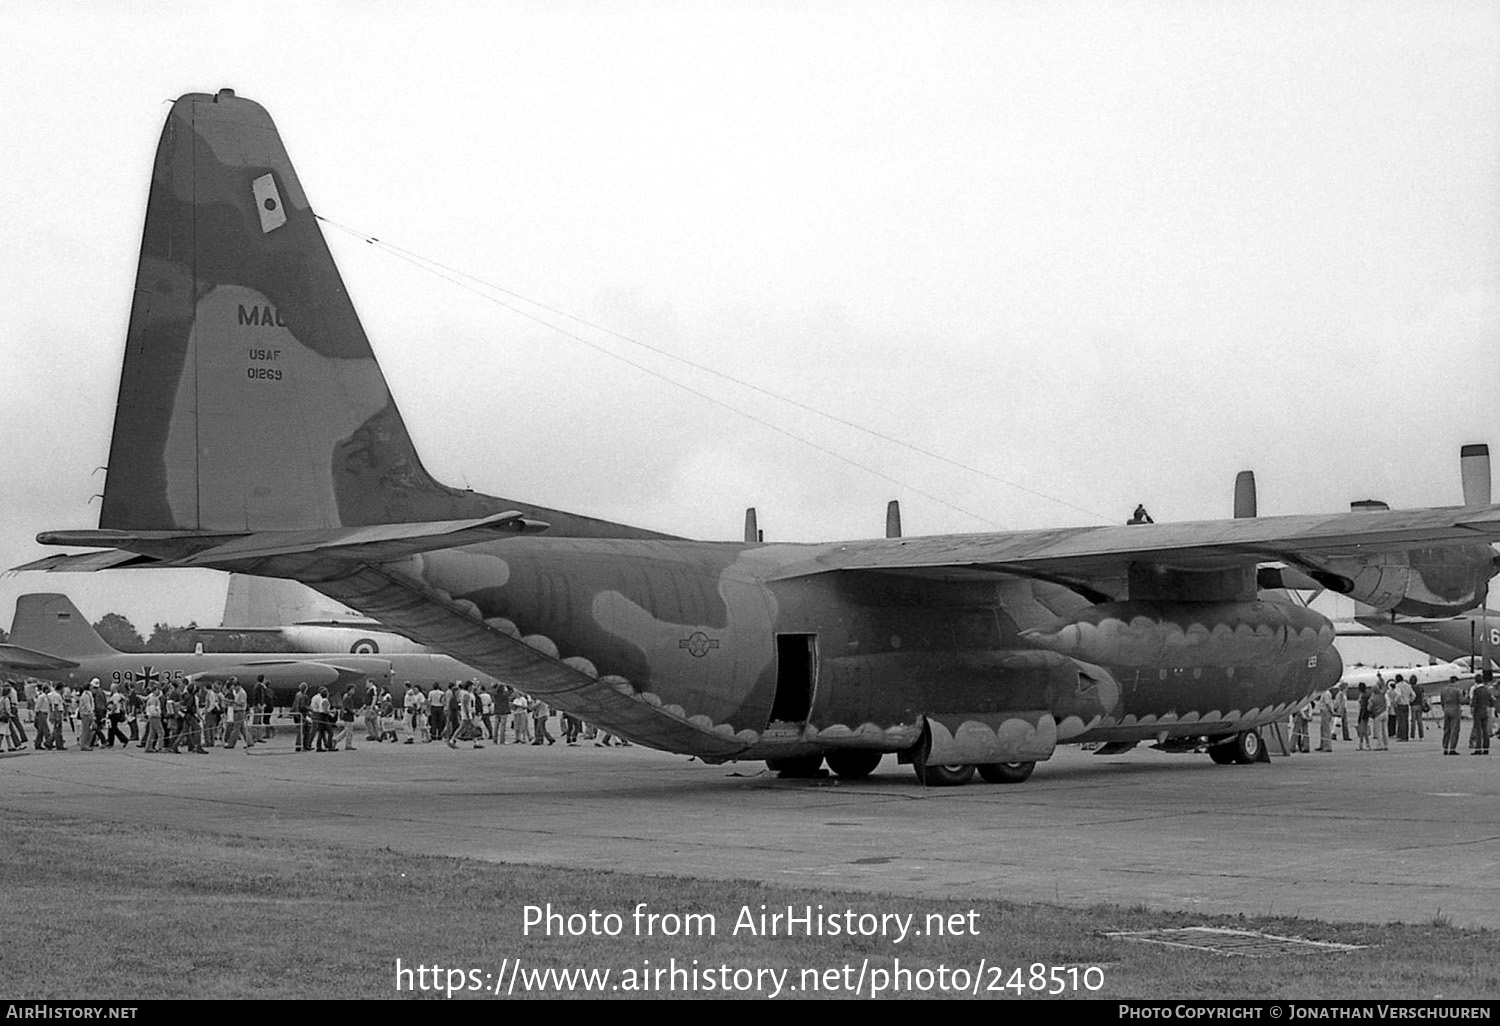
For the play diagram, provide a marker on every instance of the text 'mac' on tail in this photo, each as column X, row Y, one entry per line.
column 52, row 624
column 250, row 399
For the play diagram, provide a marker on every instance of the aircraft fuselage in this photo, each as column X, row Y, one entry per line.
column 726, row 657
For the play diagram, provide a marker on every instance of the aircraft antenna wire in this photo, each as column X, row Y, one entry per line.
column 453, row 274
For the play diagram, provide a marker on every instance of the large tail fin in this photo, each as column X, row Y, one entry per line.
column 52, row 624
column 266, row 602
column 250, row 398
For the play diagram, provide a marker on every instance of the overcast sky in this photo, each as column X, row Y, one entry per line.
column 1100, row 252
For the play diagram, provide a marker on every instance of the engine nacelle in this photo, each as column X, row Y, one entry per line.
column 1148, row 634
column 1417, row 582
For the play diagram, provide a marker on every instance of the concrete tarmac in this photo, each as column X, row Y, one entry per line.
column 1405, row 835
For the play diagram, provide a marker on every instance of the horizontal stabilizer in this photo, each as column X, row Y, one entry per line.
column 375, row 543
column 86, row 562
column 24, row 660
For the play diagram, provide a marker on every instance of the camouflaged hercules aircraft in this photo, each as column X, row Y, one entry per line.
column 255, row 433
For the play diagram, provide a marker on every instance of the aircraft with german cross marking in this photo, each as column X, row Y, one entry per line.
column 51, row 640
column 255, row 433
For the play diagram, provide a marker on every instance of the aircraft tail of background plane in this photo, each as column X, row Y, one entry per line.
column 264, row 602
column 250, row 398
column 51, row 624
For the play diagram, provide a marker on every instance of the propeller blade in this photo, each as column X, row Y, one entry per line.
column 1474, row 466
column 1244, row 494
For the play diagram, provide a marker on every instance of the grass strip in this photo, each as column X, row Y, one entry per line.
column 117, row 911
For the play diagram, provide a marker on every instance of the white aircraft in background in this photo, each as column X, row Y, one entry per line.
column 304, row 620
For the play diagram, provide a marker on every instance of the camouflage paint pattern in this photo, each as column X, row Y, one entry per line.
column 251, row 401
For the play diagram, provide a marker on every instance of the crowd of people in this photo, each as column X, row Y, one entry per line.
column 1395, row 710
column 192, row 716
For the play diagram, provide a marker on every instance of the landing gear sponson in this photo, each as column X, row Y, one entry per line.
column 856, row 764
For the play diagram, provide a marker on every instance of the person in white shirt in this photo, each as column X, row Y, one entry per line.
column 416, row 716
column 86, row 719
column 154, row 733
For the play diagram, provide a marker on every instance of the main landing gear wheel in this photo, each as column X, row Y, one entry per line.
column 1244, row 748
column 800, row 767
column 1223, row 754
column 937, row 776
column 1247, row 747
column 855, row 764
column 1006, row 772
column 943, row 776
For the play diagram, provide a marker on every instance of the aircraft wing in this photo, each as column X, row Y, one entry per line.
column 1101, row 554
column 25, row 660
column 1450, row 638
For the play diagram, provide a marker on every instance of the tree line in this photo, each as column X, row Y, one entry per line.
column 120, row 633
